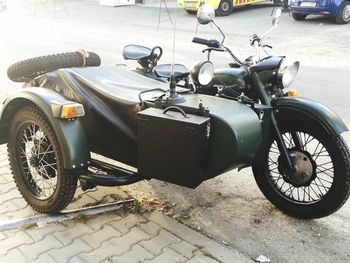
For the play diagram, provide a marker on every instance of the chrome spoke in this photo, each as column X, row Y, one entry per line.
column 319, row 183
column 38, row 161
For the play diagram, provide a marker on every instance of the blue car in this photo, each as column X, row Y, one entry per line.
column 338, row 9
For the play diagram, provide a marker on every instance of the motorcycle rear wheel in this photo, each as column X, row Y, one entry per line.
column 318, row 195
column 37, row 164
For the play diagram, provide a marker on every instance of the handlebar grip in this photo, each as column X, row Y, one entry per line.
column 201, row 41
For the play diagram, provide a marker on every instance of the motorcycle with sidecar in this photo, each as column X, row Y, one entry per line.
column 71, row 107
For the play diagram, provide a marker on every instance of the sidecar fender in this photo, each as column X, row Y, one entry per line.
column 70, row 133
column 309, row 110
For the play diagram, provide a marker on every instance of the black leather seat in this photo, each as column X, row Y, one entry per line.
column 136, row 52
column 164, row 71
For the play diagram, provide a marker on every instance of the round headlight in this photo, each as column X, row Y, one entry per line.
column 287, row 72
column 202, row 73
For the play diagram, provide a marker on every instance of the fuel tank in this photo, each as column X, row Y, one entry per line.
column 231, row 76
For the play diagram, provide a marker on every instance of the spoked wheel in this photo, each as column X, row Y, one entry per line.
column 36, row 162
column 320, row 183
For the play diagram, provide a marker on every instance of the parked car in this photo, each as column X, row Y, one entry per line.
column 338, row 9
column 222, row 7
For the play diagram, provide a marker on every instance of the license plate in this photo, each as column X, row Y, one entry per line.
column 308, row 4
column 190, row 5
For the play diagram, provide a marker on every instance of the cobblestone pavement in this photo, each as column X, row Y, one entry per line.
column 151, row 237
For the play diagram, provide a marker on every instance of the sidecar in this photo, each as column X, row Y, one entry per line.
column 61, row 119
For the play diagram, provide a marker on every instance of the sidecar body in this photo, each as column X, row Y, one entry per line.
column 192, row 141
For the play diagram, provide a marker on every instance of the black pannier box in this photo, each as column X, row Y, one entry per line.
column 172, row 145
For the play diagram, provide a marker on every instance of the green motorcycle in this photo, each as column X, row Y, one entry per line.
column 71, row 107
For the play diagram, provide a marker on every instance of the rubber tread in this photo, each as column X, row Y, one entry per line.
column 66, row 182
column 26, row 70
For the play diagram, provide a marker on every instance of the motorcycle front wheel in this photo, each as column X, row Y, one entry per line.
column 36, row 162
column 320, row 183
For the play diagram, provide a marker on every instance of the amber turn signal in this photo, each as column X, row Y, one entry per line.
column 70, row 111
column 293, row 93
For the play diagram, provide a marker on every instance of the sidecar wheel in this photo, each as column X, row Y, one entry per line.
column 28, row 69
column 36, row 162
column 321, row 185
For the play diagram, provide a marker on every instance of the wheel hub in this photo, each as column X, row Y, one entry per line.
column 304, row 168
column 34, row 161
column 346, row 13
column 225, row 7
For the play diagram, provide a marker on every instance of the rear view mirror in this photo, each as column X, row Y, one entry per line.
column 276, row 16
column 205, row 14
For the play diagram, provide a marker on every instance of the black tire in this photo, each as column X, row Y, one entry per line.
column 26, row 70
column 191, row 12
column 325, row 196
column 225, row 8
column 299, row 17
column 343, row 16
column 35, row 160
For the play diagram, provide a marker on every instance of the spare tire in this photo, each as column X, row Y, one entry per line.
column 26, row 70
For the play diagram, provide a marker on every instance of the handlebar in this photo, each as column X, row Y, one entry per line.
column 210, row 43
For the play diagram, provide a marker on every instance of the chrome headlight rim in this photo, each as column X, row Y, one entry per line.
column 205, row 73
column 287, row 72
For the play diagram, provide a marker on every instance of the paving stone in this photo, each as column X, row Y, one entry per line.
column 75, row 260
column 107, row 250
column 183, row 248
column 7, row 207
column 13, row 255
column 199, row 257
column 45, row 258
column 156, row 244
column 98, row 222
column 6, row 187
column 4, row 167
column 2, row 236
column 128, row 222
column 20, row 203
column 10, row 195
column 124, row 242
column 150, row 228
column 169, row 256
column 15, row 241
column 114, row 247
column 39, row 233
column 75, row 248
column 34, row 250
column 218, row 251
column 97, row 238
column 136, row 254
column 72, row 233
column 3, row 180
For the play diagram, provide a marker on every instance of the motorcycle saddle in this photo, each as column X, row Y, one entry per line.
column 136, row 52
column 164, row 71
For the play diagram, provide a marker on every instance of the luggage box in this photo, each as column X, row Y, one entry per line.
column 172, row 147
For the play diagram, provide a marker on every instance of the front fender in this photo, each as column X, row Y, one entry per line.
column 70, row 134
column 309, row 110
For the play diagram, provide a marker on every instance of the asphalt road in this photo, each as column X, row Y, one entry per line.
column 229, row 208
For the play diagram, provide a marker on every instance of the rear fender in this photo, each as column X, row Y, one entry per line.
column 309, row 110
column 70, row 133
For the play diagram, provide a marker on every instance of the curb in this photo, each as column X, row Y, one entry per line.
column 64, row 216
